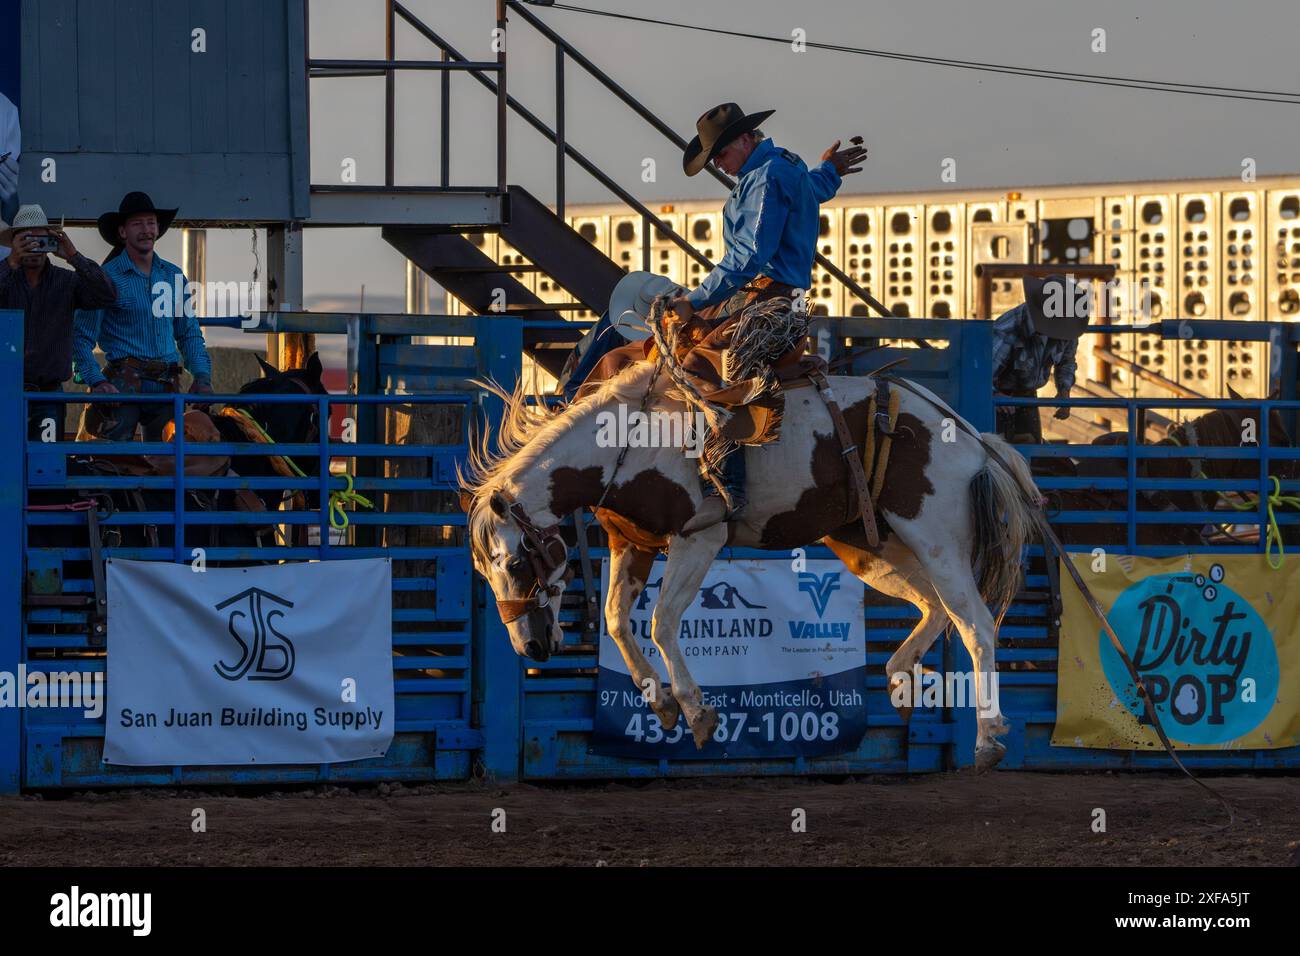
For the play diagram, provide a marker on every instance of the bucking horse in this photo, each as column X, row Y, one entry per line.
column 956, row 508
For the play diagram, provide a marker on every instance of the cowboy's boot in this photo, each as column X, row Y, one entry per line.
column 713, row 509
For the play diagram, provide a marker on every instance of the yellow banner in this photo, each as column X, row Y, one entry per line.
column 1215, row 639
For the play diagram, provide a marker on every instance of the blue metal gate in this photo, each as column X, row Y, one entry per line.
column 465, row 702
column 49, row 609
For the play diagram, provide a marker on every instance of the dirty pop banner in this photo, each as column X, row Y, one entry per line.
column 781, row 655
column 1216, row 640
column 276, row 664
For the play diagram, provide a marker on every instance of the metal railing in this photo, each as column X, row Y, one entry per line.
column 565, row 49
column 449, row 62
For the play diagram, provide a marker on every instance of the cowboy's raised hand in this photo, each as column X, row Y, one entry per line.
column 846, row 161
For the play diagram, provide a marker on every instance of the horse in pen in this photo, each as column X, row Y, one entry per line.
column 953, row 521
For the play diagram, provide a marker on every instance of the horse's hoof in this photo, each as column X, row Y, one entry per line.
column 667, row 709
column 903, row 710
column 703, row 726
column 988, row 756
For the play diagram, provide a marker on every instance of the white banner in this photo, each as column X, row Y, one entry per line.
column 279, row 664
column 781, row 654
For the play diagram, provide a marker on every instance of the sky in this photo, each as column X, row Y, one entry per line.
column 1000, row 130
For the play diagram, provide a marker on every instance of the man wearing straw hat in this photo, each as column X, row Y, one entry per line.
column 48, row 295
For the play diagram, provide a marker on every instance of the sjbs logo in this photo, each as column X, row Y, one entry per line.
column 265, row 653
column 1204, row 654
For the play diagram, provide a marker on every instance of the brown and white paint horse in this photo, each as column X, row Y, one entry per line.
column 957, row 521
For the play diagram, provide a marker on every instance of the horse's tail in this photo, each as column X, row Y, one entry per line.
column 1005, row 501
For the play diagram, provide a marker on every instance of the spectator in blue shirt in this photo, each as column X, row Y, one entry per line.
column 770, row 225
column 146, row 333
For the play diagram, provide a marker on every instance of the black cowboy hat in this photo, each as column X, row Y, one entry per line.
column 715, row 129
column 1046, row 322
column 133, row 204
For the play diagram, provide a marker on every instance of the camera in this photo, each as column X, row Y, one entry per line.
column 44, row 244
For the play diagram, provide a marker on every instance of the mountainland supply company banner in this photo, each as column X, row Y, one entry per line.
column 279, row 664
column 780, row 654
column 1216, row 640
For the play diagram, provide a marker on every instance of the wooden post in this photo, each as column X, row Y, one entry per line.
column 284, row 294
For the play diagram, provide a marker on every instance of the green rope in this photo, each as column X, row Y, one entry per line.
column 1275, row 499
column 338, row 516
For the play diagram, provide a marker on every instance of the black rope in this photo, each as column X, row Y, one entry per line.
column 1123, row 82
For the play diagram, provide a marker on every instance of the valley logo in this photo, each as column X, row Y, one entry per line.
column 251, row 624
column 819, row 590
column 1203, row 652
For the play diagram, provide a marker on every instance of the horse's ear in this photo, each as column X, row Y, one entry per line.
column 1274, row 395
column 466, row 500
column 267, row 368
column 1232, row 392
column 313, row 367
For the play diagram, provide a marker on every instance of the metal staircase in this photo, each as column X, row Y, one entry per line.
column 438, row 243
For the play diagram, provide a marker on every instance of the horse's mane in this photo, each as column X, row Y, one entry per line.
column 529, row 425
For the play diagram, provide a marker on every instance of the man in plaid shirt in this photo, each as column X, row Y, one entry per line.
column 1033, row 342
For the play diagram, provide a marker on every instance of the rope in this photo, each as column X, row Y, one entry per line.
column 1274, row 537
column 337, row 498
column 1251, row 503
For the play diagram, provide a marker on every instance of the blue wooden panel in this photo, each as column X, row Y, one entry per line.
column 209, row 79
column 116, row 97
column 172, row 23
column 56, row 55
column 133, row 75
column 96, row 87
column 246, row 99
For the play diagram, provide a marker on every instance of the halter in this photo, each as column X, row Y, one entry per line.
column 546, row 553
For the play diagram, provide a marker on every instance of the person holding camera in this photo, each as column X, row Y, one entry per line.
column 48, row 295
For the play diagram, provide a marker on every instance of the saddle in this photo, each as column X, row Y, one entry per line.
column 199, row 428
column 756, row 406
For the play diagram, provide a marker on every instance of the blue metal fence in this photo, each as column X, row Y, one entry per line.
column 49, row 611
column 466, row 703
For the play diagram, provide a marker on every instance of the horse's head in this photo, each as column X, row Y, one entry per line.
column 525, row 565
column 291, row 421
column 1234, row 424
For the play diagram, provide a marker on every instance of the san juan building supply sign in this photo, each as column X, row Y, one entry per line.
column 781, row 655
column 1215, row 639
column 280, row 664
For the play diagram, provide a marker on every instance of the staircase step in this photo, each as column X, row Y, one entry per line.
column 460, row 267
column 545, row 239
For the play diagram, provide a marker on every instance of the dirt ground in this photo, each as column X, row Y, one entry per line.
column 947, row 819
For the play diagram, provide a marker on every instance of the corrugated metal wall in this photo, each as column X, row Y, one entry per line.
column 115, row 95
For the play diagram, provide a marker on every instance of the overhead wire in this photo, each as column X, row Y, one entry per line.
column 1123, row 82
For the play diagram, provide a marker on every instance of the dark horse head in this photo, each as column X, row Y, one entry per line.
column 287, row 422
column 290, row 422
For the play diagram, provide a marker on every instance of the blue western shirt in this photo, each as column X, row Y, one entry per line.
column 131, row 327
column 770, row 223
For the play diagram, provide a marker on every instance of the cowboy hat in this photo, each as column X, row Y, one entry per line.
column 133, row 204
column 629, row 302
column 1055, row 319
column 27, row 217
column 714, row 130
